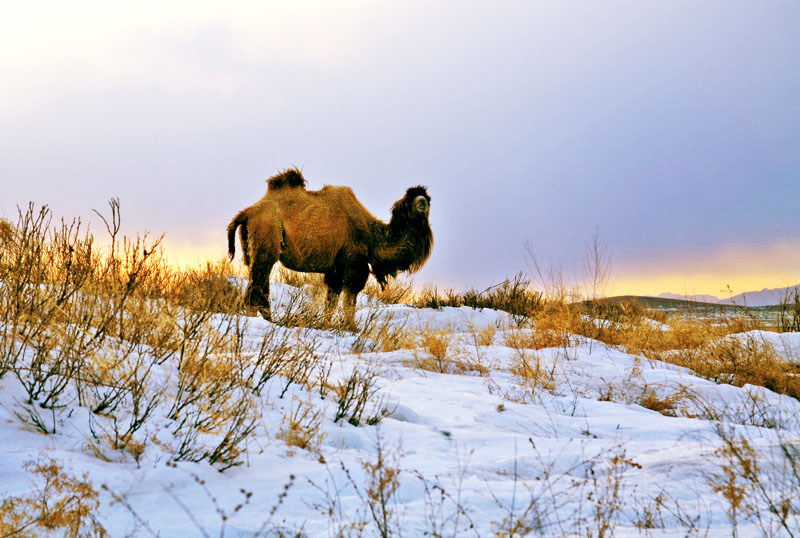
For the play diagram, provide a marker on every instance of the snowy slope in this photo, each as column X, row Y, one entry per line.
column 492, row 443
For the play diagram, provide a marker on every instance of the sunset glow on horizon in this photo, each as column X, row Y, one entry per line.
column 691, row 284
column 740, row 269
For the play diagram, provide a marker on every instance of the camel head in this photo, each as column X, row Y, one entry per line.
column 407, row 241
column 414, row 206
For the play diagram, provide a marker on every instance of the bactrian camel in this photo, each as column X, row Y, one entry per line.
column 328, row 231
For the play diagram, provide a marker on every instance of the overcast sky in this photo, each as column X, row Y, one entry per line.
column 671, row 128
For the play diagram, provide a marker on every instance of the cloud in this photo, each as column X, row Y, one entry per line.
column 742, row 267
column 670, row 127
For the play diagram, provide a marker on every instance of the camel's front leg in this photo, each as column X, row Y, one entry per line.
column 355, row 278
column 349, row 307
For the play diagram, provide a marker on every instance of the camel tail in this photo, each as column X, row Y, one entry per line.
column 239, row 220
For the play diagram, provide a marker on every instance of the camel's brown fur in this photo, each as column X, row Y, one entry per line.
column 328, row 231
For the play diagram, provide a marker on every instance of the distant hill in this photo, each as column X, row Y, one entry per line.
column 694, row 298
column 765, row 297
column 668, row 303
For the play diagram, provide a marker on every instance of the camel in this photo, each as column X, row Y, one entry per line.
column 328, row 231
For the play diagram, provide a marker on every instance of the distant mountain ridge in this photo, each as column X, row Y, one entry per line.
column 765, row 297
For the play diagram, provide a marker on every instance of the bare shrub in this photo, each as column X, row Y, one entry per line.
column 607, row 494
column 378, row 514
column 513, row 295
column 353, row 395
column 226, row 515
column 301, row 426
column 760, row 489
column 214, row 409
column 60, row 503
column 439, row 353
column 397, row 290
column 789, row 313
column 88, row 326
column 302, row 309
column 274, row 354
column 302, row 363
column 740, row 361
column 216, row 429
column 383, row 481
column 377, row 330
column 532, row 375
column 298, row 279
column 446, row 514
column 749, row 408
column 209, row 289
column 556, row 500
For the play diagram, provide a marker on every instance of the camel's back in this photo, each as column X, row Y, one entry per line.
column 331, row 203
column 342, row 199
column 318, row 224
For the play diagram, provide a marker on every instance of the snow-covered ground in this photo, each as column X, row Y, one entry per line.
column 475, row 452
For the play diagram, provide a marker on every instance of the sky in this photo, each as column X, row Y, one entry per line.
column 670, row 130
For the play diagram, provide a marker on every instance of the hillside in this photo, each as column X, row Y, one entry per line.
column 663, row 303
column 140, row 400
column 459, row 423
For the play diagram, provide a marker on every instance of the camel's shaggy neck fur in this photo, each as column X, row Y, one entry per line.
column 405, row 243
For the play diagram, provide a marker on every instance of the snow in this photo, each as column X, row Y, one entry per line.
column 787, row 345
column 492, row 443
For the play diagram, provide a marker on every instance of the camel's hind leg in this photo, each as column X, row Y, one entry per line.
column 256, row 295
column 333, row 281
column 264, row 244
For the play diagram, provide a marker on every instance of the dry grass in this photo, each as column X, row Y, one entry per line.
column 512, row 295
column 355, row 398
column 377, row 330
column 437, row 351
column 532, row 375
column 61, row 503
column 553, row 320
column 301, row 427
column 296, row 279
column 399, row 290
column 208, row 289
column 789, row 314
column 121, row 332
column 763, row 489
column 536, row 338
column 739, row 361
column 98, row 328
column 665, row 404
